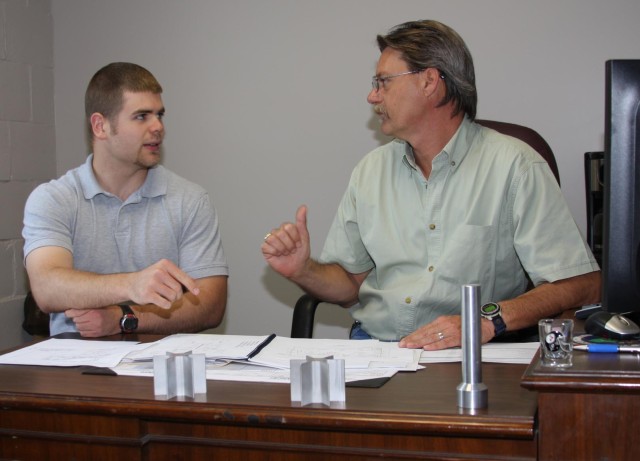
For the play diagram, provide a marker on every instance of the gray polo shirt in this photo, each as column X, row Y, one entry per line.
column 168, row 217
column 490, row 213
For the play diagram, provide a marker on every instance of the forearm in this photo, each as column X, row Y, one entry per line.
column 190, row 313
column 57, row 286
column 61, row 289
column 330, row 282
column 551, row 299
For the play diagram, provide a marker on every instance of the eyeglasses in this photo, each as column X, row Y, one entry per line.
column 377, row 82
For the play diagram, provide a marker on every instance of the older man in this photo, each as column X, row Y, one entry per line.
column 446, row 203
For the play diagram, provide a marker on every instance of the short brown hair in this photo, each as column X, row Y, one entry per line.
column 106, row 88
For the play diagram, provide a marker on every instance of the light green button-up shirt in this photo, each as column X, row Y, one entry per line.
column 490, row 213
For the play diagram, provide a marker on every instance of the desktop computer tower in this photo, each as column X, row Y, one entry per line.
column 594, row 184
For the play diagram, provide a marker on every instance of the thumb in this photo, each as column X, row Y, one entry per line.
column 301, row 222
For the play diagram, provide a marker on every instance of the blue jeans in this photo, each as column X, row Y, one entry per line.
column 358, row 333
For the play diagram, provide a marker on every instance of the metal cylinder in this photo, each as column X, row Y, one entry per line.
column 472, row 392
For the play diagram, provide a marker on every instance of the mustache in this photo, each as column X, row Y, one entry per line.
column 379, row 109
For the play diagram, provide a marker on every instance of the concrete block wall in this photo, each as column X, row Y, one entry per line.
column 27, row 142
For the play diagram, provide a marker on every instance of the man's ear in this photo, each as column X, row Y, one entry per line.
column 99, row 125
column 431, row 80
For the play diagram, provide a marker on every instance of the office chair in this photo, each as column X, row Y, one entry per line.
column 35, row 322
column 305, row 309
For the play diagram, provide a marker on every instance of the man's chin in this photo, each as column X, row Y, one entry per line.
column 386, row 130
column 150, row 161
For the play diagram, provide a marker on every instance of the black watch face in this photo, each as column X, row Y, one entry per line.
column 129, row 323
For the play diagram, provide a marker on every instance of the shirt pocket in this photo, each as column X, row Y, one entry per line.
column 469, row 255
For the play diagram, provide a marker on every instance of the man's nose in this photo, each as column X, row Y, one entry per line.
column 158, row 125
column 374, row 96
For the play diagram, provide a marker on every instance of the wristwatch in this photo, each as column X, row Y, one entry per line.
column 129, row 321
column 493, row 312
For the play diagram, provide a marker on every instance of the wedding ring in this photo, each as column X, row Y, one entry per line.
column 440, row 336
column 267, row 236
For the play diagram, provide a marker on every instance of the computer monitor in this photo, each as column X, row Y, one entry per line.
column 621, row 203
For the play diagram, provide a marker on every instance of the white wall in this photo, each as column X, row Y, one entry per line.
column 27, row 142
column 266, row 100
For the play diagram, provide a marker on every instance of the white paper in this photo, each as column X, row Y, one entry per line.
column 214, row 347
column 249, row 373
column 367, row 359
column 356, row 354
column 71, row 353
column 491, row 352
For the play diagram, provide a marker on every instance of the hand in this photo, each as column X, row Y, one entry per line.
column 287, row 249
column 444, row 332
column 93, row 323
column 161, row 284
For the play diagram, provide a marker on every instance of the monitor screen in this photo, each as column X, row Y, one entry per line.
column 621, row 203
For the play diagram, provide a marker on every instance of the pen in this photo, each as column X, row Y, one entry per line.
column 261, row 346
column 611, row 348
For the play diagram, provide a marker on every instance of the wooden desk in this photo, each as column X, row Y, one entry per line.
column 56, row 413
column 590, row 411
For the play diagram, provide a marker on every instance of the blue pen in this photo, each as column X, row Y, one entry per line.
column 610, row 348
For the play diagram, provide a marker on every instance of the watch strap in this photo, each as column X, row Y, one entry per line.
column 499, row 326
column 126, row 309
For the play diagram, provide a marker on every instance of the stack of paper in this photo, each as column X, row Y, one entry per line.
column 267, row 358
column 253, row 358
column 72, row 353
column 356, row 354
column 491, row 352
column 214, row 347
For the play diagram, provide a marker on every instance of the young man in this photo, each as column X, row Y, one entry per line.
column 121, row 244
column 447, row 203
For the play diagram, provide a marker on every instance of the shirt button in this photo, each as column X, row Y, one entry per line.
column 432, row 226
column 407, row 300
column 453, row 163
column 431, row 268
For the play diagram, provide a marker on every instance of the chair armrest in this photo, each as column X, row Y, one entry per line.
column 303, row 316
column 35, row 322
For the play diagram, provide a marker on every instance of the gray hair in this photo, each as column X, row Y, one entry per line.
column 431, row 44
